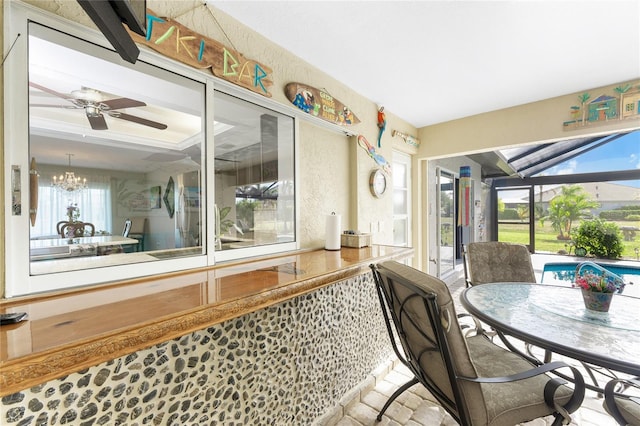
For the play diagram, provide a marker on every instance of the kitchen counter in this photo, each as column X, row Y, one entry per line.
column 72, row 330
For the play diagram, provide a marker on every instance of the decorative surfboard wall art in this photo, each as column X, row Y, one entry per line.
column 319, row 103
column 178, row 42
column 408, row 139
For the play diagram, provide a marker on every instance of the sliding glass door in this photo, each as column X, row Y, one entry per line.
column 446, row 221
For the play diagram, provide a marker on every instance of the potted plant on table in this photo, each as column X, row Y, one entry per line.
column 597, row 290
column 73, row 213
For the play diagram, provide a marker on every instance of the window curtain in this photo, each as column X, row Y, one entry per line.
column 94, row 205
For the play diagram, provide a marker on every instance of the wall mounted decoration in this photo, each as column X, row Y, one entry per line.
column 622, row 104
column 379, row 159
column 33, row 191
column 154, row 197
column 382, row 124
column 464, row 210
column 408, row 139
column 319, row 103
column 178, row 42
column 135, row 195
column 169, row 198
column 378, row 183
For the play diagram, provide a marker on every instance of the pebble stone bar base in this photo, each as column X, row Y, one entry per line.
column 282, row 365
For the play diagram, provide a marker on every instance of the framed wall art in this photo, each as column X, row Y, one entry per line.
column 169, row 197
column 154, row 197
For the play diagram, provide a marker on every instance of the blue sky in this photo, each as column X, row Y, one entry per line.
column 620, row 154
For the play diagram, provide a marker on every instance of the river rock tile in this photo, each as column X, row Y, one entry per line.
column 286, row 364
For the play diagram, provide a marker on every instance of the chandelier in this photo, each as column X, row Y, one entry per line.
column 69, row 182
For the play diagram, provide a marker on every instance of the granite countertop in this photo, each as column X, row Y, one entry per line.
column 70, row 330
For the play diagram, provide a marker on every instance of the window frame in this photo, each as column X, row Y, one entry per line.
column 18, row 279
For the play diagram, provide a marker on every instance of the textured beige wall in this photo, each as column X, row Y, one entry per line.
column 530, row 123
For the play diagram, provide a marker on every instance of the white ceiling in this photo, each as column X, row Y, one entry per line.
column 433, row 61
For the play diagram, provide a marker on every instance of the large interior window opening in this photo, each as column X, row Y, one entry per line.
column 111, row 164
column 254, row 175
column 112, row 145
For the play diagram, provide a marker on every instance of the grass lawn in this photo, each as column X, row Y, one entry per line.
column 546, row 240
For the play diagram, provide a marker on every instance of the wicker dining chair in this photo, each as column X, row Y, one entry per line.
column 473, row 379
column 494, row 261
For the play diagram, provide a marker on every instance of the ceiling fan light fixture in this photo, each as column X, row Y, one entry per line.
column 87, row 94
column 92, row 111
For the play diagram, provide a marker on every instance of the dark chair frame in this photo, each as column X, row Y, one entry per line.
column 127, row 227
column 527, row 276
column 385, row 280
column 614, row 391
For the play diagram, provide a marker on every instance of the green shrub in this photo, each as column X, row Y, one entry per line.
column 601, row 239
column 616, row 214
column 633, row 217
column 508, row 214
column 632, row 208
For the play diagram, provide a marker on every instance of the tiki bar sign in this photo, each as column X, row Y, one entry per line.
column 176, row 41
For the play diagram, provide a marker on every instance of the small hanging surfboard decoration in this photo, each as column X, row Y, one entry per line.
column 319, row 103
column 408, row 139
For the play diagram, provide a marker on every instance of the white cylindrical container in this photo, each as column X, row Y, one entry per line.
column 332, row 232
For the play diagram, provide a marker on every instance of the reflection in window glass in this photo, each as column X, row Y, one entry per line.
column 254, row 175
column 399, row 174
column 118, row 149
column 400, row 232
column 399, row 202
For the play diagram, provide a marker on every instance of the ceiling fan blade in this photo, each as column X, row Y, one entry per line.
column 139, row 120
column 50, row 91
column 227, row 160
column 122, row 103
column 97, row 123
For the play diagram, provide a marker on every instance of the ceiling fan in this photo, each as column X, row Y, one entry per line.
column 95, row 107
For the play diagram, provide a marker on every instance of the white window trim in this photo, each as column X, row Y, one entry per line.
column 18, row 280
column 405, row 159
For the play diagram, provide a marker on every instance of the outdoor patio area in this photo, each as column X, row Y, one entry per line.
column 418, row 407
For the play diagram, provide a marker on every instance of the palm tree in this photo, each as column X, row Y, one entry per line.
column 583, row 100
column 523, row 212
column 557, row 214
column 621, row 90
column 565, row 208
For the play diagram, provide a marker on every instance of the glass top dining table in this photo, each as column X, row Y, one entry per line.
column 554, row 318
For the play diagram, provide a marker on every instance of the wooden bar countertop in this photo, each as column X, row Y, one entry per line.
column 70, row 330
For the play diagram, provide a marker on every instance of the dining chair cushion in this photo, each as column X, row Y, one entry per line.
column 624, row 408
column 493, row 361
column 494, row 404
column 494, row 261
column 630, row 410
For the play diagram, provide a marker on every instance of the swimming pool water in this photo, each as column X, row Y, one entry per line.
column 563, row 273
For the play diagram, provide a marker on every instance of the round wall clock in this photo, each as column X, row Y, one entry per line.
column 378, row 183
